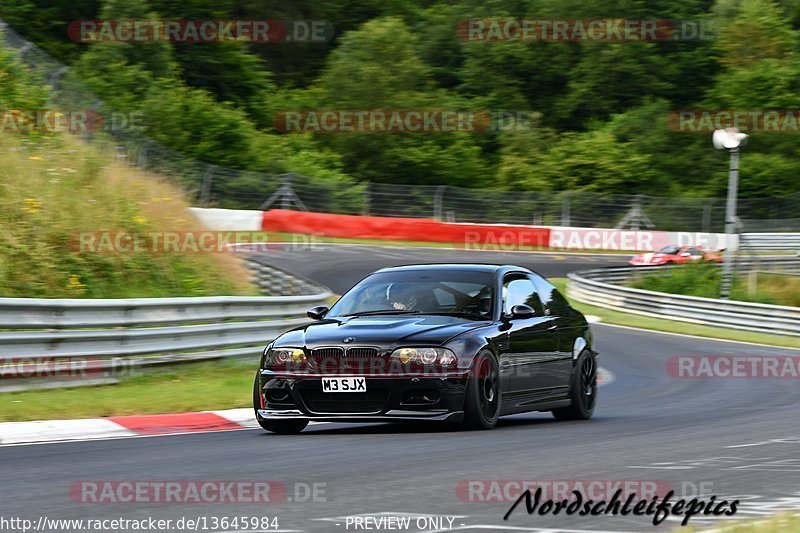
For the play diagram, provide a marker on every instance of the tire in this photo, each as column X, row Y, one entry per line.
column 582, row 392
column 281, row 427
column 482, row 400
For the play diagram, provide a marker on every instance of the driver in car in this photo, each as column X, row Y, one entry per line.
column 401, row 296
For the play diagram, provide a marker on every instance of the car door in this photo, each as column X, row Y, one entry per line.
column 694, row 254
column 530, row 364
column 568, row 327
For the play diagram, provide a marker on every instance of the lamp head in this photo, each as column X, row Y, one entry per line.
column 728, row 139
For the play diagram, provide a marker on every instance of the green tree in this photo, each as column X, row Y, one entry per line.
column 594, row 161
column 759, row 31
column 377, row 67
column 122, row 73
column 20, row 88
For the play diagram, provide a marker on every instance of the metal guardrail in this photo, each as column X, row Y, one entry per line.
column 773, row 263
column 88, row 338
column 769, row 242
column 35, row 313
column 597, row 287
column 273, row 280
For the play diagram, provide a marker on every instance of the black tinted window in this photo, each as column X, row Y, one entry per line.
column 424, row 291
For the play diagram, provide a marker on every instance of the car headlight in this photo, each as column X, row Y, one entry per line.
column 285, row 356
column 425, row 356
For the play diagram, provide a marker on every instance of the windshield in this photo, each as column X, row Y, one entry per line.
column 670, row 250
column 437, row 292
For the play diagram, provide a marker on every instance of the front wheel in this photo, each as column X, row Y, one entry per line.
column 482, row 401
column 282, row 427
column 583, row 391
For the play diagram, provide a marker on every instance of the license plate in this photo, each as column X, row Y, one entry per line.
column 344, row 385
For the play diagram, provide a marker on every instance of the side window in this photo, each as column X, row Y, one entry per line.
column 518, row 289
column 554, row 303
column 694, row 251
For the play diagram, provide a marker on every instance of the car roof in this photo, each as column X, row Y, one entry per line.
column 473, row 267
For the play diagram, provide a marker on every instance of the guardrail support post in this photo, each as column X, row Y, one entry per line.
column 205, row 190
column 365, row 206
column 438, row 200
column 707, row 210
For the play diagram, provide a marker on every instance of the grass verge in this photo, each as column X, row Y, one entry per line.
column 704, row 280
column 609, row 316
column 191, row 387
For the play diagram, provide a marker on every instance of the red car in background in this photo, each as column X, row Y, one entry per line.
column 674, row 254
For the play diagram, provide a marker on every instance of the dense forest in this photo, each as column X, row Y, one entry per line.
column 601, row 109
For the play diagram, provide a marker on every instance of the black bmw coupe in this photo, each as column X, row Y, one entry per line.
column 452, row 343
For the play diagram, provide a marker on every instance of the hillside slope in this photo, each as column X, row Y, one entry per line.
column 54, row 187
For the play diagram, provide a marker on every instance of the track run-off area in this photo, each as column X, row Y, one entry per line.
column 733, row 438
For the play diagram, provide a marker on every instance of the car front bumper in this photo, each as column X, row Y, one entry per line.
column 299, row 396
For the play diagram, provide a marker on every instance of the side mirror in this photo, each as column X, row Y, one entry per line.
column 317, row 313
column 522, row 311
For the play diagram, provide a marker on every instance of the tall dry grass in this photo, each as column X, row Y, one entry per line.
column 54, row 187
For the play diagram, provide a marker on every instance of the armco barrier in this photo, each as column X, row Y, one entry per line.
column 86, row 338
column 474, row 235
column 275, row 281
column 408, row 229
column 598, row 287
column 770, row 242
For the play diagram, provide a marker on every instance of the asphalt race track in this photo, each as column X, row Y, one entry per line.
column 340, row 266
column 733, row 438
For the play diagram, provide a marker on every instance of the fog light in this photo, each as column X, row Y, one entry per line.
column 421, row 397
column 277, row 395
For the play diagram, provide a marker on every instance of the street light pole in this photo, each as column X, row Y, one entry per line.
column 730, row 139
column 730, row 221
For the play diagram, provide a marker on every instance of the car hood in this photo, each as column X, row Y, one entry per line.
column 382, row 331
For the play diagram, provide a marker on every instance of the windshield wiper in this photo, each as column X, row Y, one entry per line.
column 385, row 312
column 462, row 314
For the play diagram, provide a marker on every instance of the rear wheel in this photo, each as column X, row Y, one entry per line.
column 583, row 391
column 282, row 427
column 482, row 401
